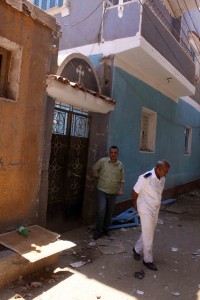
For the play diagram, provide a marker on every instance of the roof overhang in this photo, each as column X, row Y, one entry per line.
column 178, row 7
column 146, row 63
column 76, row 95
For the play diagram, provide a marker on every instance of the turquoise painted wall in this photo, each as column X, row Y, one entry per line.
column 131, row 95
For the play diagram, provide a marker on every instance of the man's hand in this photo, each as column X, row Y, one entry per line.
column 135, row 205
column 121, row 192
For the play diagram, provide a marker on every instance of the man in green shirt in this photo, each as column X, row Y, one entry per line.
column 110, row 174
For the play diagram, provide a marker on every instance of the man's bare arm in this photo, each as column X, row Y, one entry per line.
column 134, row 196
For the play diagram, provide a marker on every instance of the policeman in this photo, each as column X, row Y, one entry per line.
column 147, row 194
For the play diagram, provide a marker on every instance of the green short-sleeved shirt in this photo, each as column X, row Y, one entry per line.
column 109, row 175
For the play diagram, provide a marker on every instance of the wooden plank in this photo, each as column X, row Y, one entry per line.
column 39, row 244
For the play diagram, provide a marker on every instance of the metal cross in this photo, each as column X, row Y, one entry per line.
column 80, row 72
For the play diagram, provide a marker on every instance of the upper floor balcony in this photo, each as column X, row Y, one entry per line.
column 147, row 40
column 145, row 37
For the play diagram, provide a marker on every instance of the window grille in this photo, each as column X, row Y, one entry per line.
column 188, row 140
column 148, row 130
column 47, row 4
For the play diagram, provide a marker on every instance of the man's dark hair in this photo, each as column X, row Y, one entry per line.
column 113, row 147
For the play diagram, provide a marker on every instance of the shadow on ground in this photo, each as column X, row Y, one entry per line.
column 104, row 269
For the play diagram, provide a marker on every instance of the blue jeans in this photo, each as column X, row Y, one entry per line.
column 106, row 205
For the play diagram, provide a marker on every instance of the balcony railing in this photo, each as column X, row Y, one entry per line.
column 154, row 8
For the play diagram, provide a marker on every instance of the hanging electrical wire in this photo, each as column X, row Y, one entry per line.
column 79, row 22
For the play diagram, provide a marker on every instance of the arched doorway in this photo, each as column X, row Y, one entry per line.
column 69, row 150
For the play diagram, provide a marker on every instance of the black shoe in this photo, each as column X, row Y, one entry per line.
column 96, row 235
column 137, row 256
column 150, row 266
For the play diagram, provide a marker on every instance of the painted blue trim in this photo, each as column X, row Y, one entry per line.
column 131, row 95
column 47, row 4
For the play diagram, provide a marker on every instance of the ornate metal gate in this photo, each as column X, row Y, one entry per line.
column 68, row 161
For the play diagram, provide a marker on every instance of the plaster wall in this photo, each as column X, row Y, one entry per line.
column 22, row 120
column 88, row 23
column 83, row 25
column 131, row 95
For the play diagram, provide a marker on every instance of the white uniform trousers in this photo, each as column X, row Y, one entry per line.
column 144, row 245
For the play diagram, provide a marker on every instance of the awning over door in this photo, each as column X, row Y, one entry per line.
column 75, row 94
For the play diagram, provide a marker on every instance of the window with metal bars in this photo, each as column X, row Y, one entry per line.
column 47, row 4
column 148, row 130
column 188, row 140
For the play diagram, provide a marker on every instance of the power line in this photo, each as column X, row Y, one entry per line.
column 79, row 22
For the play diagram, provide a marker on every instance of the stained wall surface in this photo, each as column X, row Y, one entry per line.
column 22, row 120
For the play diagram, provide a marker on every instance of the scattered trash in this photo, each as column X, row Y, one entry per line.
column 22, row 231
column 123, row 229
column 175, row 293
column 139, row 292
column 52, row 281
column 176, row 262
column 78, row 264
column 36, row 284
column 160, row 221
column 174, row 249
column 155, row 276
column 139, row 275
column 196, row 253
column 92, row 244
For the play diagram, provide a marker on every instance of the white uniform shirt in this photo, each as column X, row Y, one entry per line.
column 149, row 192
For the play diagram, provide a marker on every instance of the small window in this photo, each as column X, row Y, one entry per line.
column 47, row 4
column 188, row 140
column 4, row 69
column 10, row 65
column 148, row 130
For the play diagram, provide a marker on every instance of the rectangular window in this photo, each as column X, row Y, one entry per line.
column 148, row 130
column 10, row 66
column 4, row 69
column 47, row 4
column 188, row 140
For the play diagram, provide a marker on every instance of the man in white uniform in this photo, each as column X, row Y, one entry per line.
column 147, row 194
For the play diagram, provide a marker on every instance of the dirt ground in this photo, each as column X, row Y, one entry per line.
column 104, row 269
